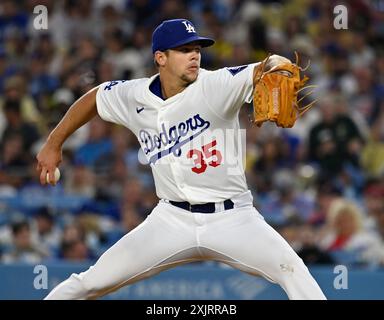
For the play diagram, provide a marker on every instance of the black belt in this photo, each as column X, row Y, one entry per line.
column 208, row 207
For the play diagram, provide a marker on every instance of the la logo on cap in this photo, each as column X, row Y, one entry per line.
column 190, row 28
column 176, row 32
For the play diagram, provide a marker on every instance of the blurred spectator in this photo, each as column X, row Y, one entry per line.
column 85, row 57
column 13, row 161
column 347, row 238
column 112, row 13
column 15, row 90
column 81, row 181
column 78, row 238
column 272, row 158
column 75, row 250
column 365, row 96
column 132, row 197
column 23, row 249
column 130, row 218
column 41, row 82
column 379, row 228
column 372, row 157
column 326, row 193
column 45, row 232
column 374, row 204
column 114, row 168
column 309, row 250
column 361, row 55
column 47, row 51
column 126, row 62
column 93, row 226
column 98, row 143
column 15, row 146
column 7, row 69
column 335, row 140
column 73, row 231
column 143, row 10
column 12, row 17
column 290, row 231
column 105, row 71
column 17, row 126
column 287, row 202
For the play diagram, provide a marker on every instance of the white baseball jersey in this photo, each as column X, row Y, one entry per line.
column 191, row 140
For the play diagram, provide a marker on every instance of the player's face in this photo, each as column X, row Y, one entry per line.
column 184, row 62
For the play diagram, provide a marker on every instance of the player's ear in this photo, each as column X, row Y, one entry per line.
column 160, row 58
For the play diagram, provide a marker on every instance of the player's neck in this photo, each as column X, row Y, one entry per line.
column 170, row 86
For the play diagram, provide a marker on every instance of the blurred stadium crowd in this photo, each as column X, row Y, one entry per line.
column 320, row 184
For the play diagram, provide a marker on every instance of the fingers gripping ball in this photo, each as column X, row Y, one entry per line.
column 57, row 176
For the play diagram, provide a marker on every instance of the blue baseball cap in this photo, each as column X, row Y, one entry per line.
column 173, row 33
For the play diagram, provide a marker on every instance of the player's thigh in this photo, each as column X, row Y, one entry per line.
column 153, row 243
column 247, row 242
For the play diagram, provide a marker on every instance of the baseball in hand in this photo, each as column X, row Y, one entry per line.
column 57, row 175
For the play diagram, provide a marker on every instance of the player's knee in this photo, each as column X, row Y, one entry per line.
column 291, row 264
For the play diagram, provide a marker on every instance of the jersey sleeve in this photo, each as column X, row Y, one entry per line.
column 227, row 89
column 112, row 101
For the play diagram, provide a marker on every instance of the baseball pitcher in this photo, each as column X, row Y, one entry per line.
column 186, row 120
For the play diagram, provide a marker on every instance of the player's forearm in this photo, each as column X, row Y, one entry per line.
column 82, row 111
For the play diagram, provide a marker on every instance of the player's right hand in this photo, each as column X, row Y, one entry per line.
column 48, row 159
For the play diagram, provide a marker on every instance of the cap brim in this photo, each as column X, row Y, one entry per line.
column 205, row 42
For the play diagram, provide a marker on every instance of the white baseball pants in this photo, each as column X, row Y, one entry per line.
column 171, row 236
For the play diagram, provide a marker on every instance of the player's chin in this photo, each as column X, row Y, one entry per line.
column 191, row 75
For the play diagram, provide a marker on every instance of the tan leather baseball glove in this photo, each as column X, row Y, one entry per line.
column 277, row 83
